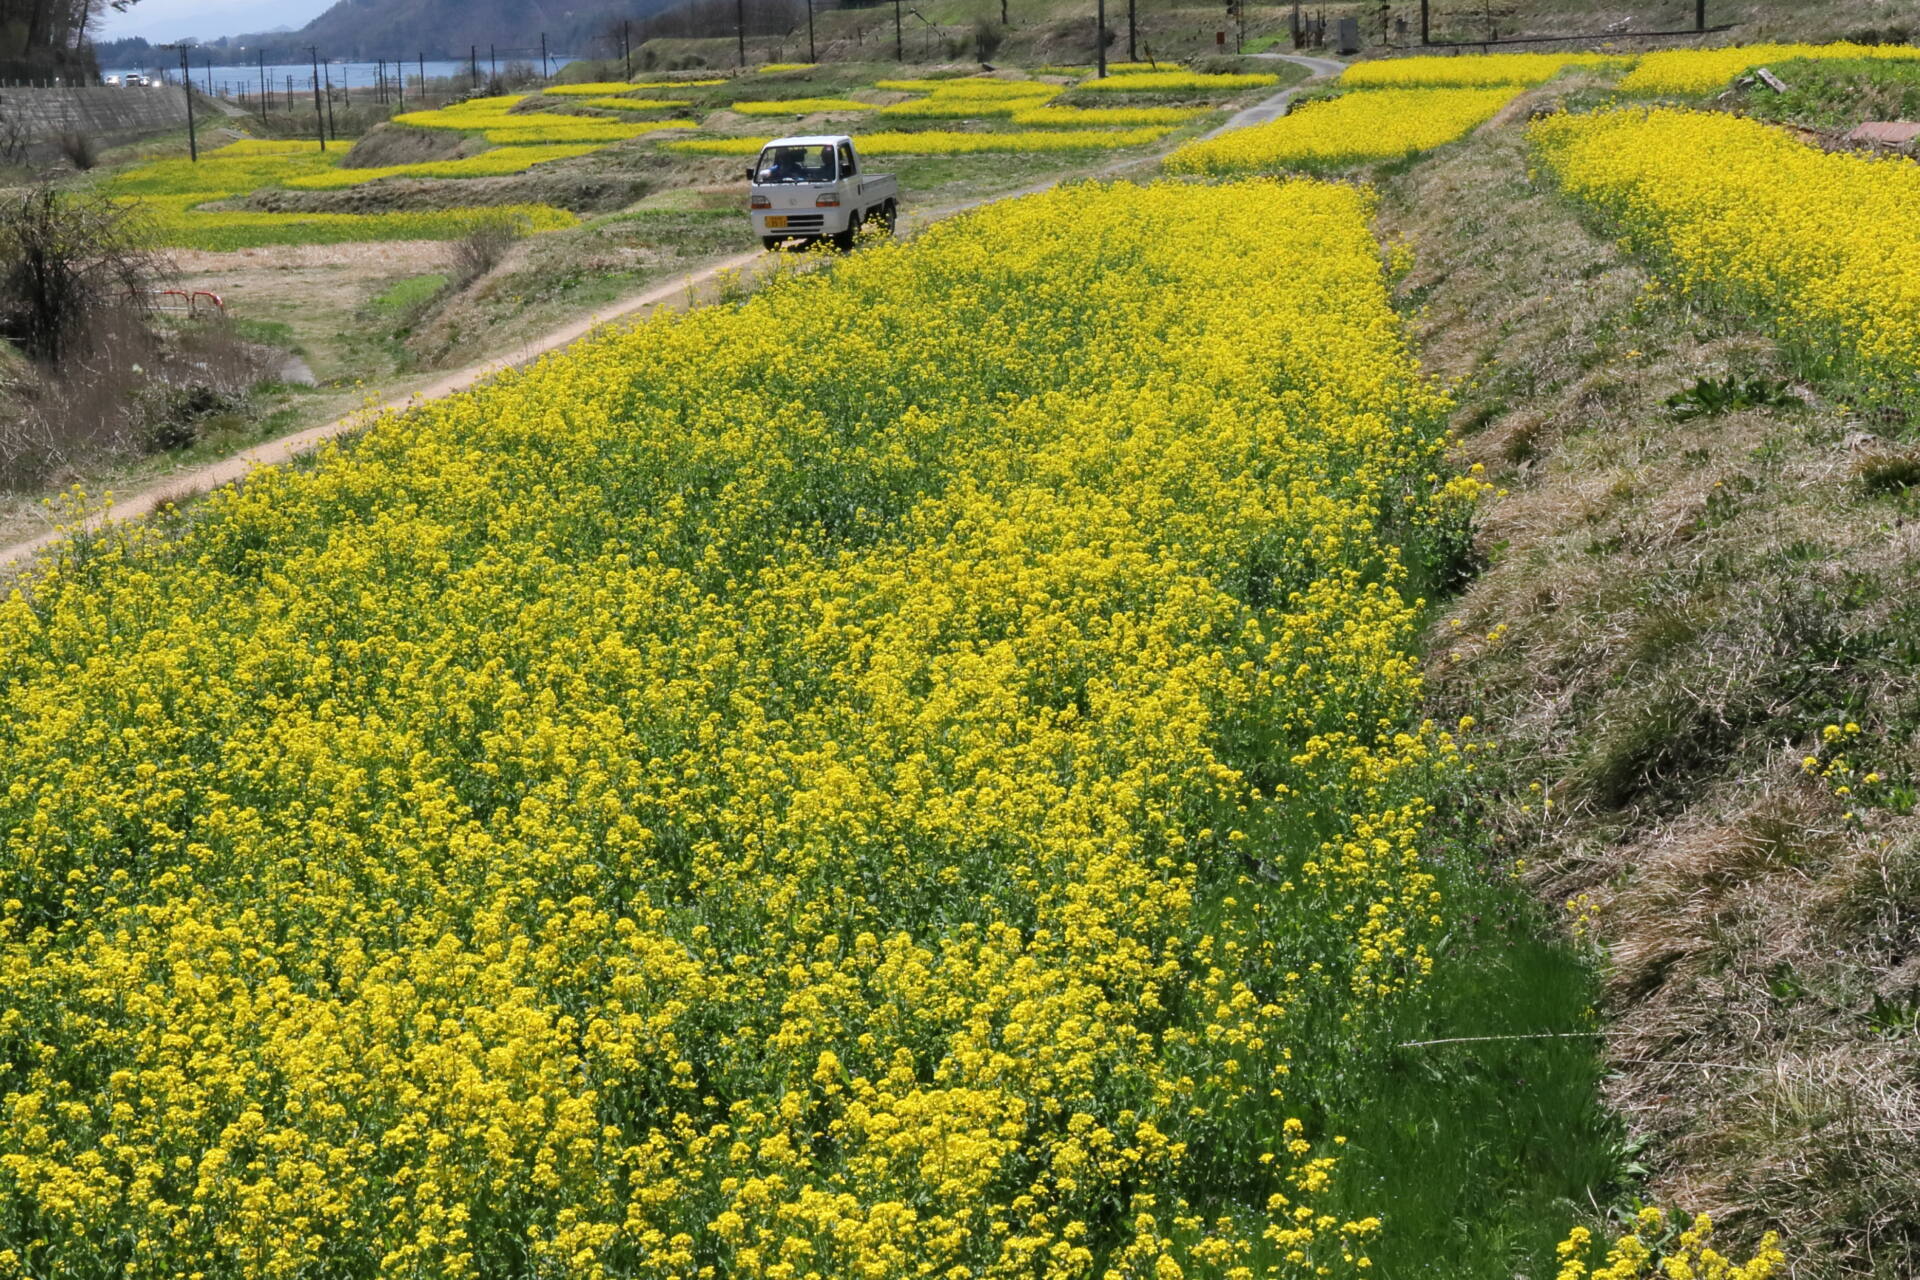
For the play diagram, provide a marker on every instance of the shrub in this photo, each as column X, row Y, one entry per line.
column 81, row 151
column 64, row 260
column 481, row 249
column 987, row 38
column 1888, row 472
column 129, row 390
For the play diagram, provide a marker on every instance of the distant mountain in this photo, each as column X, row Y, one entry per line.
column 404, row 28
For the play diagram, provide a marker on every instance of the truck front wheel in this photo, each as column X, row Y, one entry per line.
column 769, row 243
column 886, row 215
column 843, row 240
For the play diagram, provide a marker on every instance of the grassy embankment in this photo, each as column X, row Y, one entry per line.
column 1701, row 559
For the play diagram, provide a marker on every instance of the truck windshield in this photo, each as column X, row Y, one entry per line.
column 796, row 164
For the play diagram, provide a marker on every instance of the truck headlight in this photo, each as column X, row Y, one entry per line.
column 760, row 202
column 827, row 201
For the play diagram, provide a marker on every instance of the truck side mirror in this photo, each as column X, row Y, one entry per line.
column 749, row 174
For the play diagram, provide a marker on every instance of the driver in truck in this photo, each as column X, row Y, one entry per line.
column 797, row 164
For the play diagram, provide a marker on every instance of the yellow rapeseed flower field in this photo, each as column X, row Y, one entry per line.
column 636, row 104
column 1090, row 117
column 473, row 114
column 970, row 86
column 1175, row 81
column 1820, row 245
column 172, row 195
column 944, row 142
column 593, row 90
column 1693, row 71
column 1471, row 71
column 969, row 97
column 898, row 803
column 1639, row 1254
column 802, row 106
column 1380, row 124
column 487, row 164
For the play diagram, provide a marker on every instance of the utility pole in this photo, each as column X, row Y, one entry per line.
column 811, row 55
column 319, row 116
column 626, row 38
column 1426, row 32
column 186, row 78
column 899, row 41
column 332, row 128
column 1699, row 15
column 265, row 104
column 740, row 29
column 473, row 65
column 1132, row 56
column 1100, row 38
column 493, row 67
column 545, row 74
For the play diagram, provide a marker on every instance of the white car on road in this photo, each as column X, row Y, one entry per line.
column 817, row 188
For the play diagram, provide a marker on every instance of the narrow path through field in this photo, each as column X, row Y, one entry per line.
column 174, row 488
column 1276, row 106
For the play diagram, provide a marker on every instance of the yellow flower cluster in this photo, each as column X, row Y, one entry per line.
column 1820, row 245
column 967, row 86
column 802, row 106
column 242, row 166
column 943, row 142
column 1471, row 71
column 171, row 193
column 1706, row 70
column 472, row 115
column 770, row 67
column 179, row 221
column 639, row 104
column 1659, row 1250
column 1177, row 81
column 593, row 90
column 1089, row 117
column 1838, row 772
column 551, row 129
column 1381, row 124
column 496, row 120
column 713, row 805
column 493, row 163
column 973, row 97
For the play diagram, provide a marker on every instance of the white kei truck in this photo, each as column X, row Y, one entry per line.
column 817, row 188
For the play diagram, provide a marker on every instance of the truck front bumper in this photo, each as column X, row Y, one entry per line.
column 781, row 223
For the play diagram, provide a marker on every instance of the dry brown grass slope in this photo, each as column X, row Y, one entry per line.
column 1668, row 615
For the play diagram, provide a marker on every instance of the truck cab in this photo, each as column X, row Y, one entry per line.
column 817, row 187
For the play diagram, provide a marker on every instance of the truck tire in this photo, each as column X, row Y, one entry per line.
column 769, row 243
column 887, row 215
column 843, row 240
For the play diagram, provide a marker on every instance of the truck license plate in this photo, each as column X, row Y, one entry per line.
column 776, row 220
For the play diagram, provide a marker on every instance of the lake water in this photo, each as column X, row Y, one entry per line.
column 351, row 75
